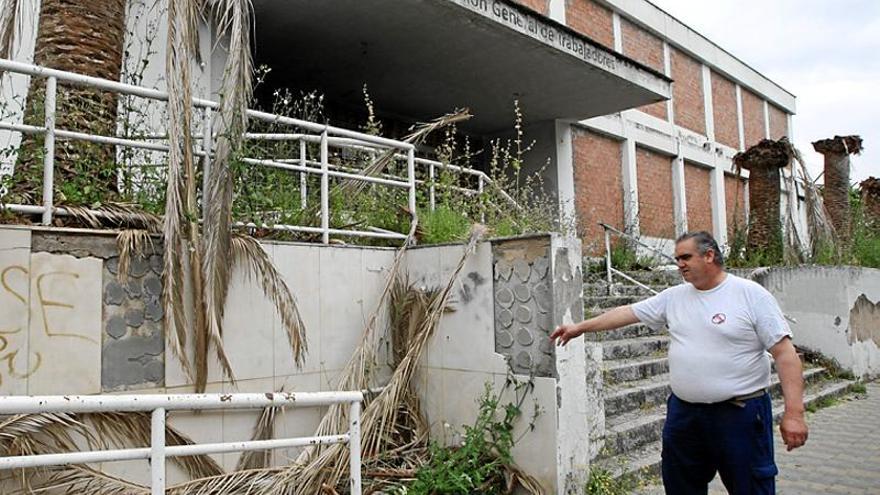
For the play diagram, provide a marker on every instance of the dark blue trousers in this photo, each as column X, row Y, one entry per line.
column 733, row 440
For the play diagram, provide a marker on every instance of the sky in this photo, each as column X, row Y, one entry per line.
column 827, row 53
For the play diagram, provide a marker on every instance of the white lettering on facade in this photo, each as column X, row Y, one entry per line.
column 534, row 27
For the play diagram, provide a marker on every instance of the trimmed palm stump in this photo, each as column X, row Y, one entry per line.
column 763, row 161
column 837, row 151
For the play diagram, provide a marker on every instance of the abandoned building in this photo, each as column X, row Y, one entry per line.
column 635, row 120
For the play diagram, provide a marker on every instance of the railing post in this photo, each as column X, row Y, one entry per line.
column 480, row 192
column 303, row 177
column 411, row 175
column 608, row 256
column 354, row 445
column 208, row 148
column 49, row 151
column 157, row 452
column 431, row 199
column 325, row 190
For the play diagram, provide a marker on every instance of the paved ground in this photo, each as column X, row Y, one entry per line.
column 842, row 454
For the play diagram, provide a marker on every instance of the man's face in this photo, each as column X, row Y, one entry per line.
column 692, row 265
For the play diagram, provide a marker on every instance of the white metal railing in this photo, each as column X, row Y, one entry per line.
column 610, row 271
column 160, row 405
column 326, row 136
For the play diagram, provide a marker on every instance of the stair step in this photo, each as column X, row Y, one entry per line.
column 623, row 333
column 606, row 302
column 630, row 431
column 643, row 458
column 637, row 395
column 630, row 348
column 653, row 391
column 629, row 370
column 601, row 289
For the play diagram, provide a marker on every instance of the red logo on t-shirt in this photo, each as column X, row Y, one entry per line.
column 719, row 318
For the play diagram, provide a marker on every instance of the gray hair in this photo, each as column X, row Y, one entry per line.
column 705, row 242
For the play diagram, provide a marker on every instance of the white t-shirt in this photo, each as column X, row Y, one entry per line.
column 719, row 337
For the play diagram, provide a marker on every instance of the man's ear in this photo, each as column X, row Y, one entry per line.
column 710, row 255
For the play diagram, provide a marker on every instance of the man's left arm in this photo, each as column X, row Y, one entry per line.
column 788, row 365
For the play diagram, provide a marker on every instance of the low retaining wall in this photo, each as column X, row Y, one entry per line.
column 837, row 311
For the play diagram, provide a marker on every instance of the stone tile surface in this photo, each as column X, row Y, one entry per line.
column 842, row 454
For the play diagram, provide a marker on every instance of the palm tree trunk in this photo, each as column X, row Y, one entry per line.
column 837, row 165
column 87, row 37
column 763, row 162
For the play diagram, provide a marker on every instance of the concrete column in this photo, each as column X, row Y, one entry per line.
column 618, row 33
column 557, row 11
column 719, row 204
column 679, row 200
column 630, row 186
column 766, row 120
column 667, row 71
column 790, row 124
column 739, row 118
column 707, row 103
column 565, row 174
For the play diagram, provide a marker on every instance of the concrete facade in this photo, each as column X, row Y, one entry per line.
column 835, row 311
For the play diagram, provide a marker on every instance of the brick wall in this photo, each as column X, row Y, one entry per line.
column 698, row 197
column 644, row 47
column 598, row 186
column 591, row 19
column 654, row 171
column 778, row 122
column 753, row 117
column 542, row 6
column 735, row 200
column 687, row 92
column 724, row 111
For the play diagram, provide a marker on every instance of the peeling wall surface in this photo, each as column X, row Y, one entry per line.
column 836, row 309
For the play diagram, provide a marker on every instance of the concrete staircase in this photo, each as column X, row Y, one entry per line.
column 636, row 378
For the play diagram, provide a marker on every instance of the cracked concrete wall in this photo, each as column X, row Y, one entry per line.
column 836, row 309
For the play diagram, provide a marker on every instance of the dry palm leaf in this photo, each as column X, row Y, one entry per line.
column 182, row 30
column 380, row 415
column 251, row 482
column 263, row 430
column 247, row 250
column 131, row 243
column 233, row 22
column 10, row 26
column 115, row 215
column 133, row 429
column 358, row 372
column 84, row 479
column 418, row 136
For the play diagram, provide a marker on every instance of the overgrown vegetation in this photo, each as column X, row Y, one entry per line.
column 861, row 248
column 482, row 461
column 603, row 482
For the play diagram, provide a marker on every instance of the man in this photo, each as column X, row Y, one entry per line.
column 719, row 415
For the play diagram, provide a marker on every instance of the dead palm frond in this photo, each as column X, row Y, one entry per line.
column 263, row 430
column 115, row 215
column 380, row 415
column 10, row 26
column 182, row 19
column 131, row 243
column 233, row 23
column 358, row 371
column 416, row 137
column 85, row 479
column 247, row 250
column 250, row 482
column 133, row 429
column 38, row 433
column 820, row 231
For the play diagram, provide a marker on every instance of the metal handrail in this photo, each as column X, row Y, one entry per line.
column 324, row 135
column 159, row 405
column 610, row 271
